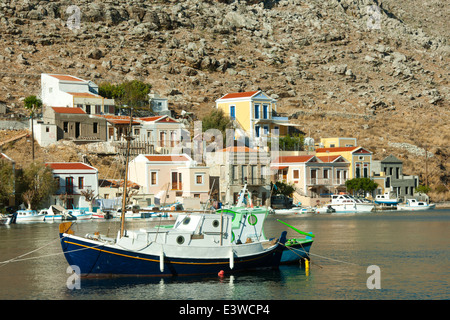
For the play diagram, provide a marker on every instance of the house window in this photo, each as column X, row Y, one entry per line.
column 47, row 129
column 257, row 131
column 69, row 185
column 98, row 109
column 256, row 111
column 366, row 170
column 173, row 138
column 295, row 173
column 66, row 126
column 234, row 173
column 154, row 178
column 88, row 109
column 199, row 178
column 80, row 183
column 326, row 174
column 162, row 138
column 95, row 127
column 265, row 111
column 358, row 170
column 233, row 112
column 266, row 130
column 136, row 132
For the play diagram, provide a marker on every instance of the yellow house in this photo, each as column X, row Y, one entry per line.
column 335, row 142
column 360, row 159
column 253, row 112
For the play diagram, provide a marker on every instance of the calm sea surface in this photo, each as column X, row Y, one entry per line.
column 411, row 250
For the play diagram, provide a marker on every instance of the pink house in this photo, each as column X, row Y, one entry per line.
column 173, row 176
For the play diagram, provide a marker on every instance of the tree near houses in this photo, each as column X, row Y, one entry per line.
column 360, row 186
column 37, row 184
column 131, row 93
column 89, row 196
column 216, row 120
column 6, row 183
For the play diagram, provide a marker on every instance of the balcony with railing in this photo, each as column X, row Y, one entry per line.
column 250, row 181
column 71, row 189
column 325, row 182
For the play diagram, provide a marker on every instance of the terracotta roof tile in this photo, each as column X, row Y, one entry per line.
column 239, row 95
column 293, row 159
column 69, row 166
column 68, row 110
column 158, row 158
column 66, row 77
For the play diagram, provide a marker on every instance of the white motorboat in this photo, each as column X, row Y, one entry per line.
column 6, row 219
column 56, row 213
column 29, row 216
column 414, row 205
column 79, row 214
column 386, row 198
column 343, row 203
column 295, row 210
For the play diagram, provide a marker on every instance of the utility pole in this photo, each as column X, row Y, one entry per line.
column 32, row 132
column 125, row 180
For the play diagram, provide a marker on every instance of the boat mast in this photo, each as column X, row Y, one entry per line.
column 125, row 180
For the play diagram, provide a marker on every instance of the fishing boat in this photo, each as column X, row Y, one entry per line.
column 6, row 219
column 295, row 210
column 415, row 205
column 198, row 243
column 343, row 203
column 56, row 213
column 27, row 215
column 386, row 199
column 79, row 214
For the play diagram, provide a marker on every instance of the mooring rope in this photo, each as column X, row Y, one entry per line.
column 316, row 255
column 17, row 259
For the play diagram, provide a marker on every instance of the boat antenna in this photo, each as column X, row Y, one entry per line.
column 125, row 180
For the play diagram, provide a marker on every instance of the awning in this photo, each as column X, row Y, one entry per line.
column 278, row 167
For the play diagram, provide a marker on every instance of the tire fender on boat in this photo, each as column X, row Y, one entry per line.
column 161, row 261
column 231, row 259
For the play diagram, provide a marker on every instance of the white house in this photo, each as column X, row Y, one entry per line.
column 163, row 132
column 159, row 105
column 59, row 90
column 73, row 177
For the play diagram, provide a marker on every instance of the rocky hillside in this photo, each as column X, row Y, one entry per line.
column 376, row 70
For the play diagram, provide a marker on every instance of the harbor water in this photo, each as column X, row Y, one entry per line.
column 389, row 255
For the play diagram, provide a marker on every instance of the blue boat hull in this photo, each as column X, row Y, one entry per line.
column 97, row 260
column 295, row 252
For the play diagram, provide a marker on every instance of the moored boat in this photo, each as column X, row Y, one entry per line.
column 56, row 213
column 415, row 205
column 386, row 199
column 196, row 244
column 6, row 219
column 343, row 203
column 29, row 216
column 79, row 214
